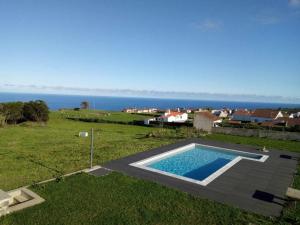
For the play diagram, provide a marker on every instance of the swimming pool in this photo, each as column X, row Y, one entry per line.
column 196, row 163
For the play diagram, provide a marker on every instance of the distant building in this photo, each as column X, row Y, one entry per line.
column 241, row 115
column 129, row 110
column 170, row 116
column 283, row 122
column 144, row 110
column 205, row 121
column 294, row 115
column 262, row 115
column 188, row 110
column 148, row 120
column 220, row 113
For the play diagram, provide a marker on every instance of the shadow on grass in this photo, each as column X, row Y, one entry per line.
column 39, row 163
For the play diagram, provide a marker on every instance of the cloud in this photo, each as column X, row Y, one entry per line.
column 145, row 93
column 294, row 3
column 208, row 25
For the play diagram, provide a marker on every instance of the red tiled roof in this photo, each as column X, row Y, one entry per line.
column 175, row 113
column 208, row 115
column 265, row 113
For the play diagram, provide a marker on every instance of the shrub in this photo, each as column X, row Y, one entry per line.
column 2, row 120
column 12, row 111
column 36, row 111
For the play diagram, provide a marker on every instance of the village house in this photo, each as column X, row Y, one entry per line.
column 242, row 115
column 282, row 122
column 129, row 110
column 294, row 115
column 144, row 110
column 170, row 116
column 206, row 121
column 262, row 115
column 220, row 113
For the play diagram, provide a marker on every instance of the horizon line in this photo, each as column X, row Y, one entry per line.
column 82, row 91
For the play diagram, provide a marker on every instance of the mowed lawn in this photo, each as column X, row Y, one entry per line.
column 119, row 199
column 30, row 152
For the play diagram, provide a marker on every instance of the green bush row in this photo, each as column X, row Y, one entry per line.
column 16, row 112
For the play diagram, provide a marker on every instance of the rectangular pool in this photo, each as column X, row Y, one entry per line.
column 196, row 163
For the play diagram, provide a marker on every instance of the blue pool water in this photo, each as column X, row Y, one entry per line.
column 198, row 163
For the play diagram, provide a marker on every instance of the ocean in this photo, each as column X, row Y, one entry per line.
column 56, row 102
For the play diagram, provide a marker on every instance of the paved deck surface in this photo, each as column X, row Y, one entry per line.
column 100, row 172
column 258, row 187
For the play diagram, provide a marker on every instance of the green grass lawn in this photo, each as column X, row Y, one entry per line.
column 119, row 199
column 293, row 146
column 112, row 116
column 31, row 153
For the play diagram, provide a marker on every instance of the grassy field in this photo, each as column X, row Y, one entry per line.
column 31, row 152
column 118, row 199
column 103, row 115
column 293, row 146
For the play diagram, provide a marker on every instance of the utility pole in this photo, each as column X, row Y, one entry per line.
column 92, row 147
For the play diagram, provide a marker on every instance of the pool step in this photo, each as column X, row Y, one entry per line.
column 293, row 193
column 21, row 198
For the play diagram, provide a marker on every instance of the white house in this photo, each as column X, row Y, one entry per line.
column 177, row 117
column 205, row 121
column 262, row 115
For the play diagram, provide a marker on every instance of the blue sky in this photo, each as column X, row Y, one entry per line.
column 249, row 47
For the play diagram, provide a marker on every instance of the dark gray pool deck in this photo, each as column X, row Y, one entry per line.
column 257, row 187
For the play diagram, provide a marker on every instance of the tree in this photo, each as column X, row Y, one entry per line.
column 36, row 111
column 12, row 111
column 85, row 105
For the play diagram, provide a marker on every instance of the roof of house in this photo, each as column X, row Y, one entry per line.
column 265, row 113
column 242, row 112
column 172, row 114
column 208, row 115
column 290, row 122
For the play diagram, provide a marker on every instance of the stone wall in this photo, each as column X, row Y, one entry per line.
column 278, row 135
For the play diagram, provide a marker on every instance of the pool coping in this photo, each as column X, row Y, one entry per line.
column 142, row 163
column 249, row 185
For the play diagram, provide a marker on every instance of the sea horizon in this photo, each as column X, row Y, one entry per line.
column 117, row 103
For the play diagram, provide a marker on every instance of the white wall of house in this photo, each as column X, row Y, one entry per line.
column 181, row 118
